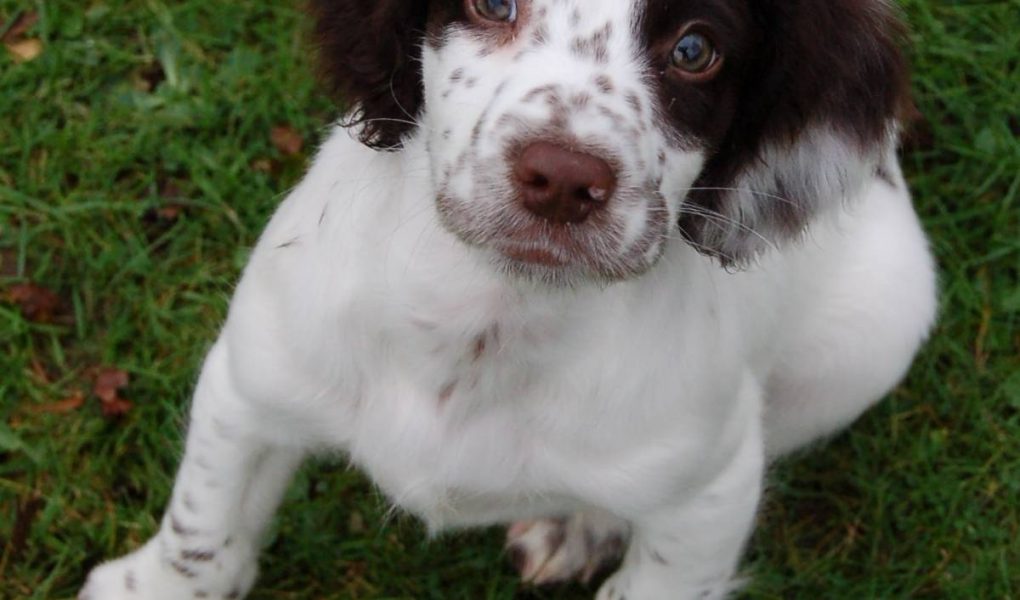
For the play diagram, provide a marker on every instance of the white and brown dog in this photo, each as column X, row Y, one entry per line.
column 578, row 266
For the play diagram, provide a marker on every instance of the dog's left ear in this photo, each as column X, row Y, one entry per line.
column 818, row 110
column 370, row 60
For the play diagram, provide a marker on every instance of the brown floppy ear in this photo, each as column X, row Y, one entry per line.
column 817, row 113
column 370, row 60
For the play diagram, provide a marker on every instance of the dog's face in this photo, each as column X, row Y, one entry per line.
column 573, row 138
column 551, row 147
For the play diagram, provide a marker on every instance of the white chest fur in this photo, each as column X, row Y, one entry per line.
column 470, row 397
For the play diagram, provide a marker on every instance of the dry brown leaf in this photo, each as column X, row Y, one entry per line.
column 109, row 382
column 69, row 404
column 116, row 407
column 25, row 50
column 287, row 140
column 36, row 302
column 21, row 25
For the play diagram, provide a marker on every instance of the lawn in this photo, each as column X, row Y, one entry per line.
column 144, row 144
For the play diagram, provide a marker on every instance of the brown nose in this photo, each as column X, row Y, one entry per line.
column 562, row 186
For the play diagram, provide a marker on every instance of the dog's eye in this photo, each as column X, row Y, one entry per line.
column 695, row 55
column 504, row 11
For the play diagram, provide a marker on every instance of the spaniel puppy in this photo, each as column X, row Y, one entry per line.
column 582, row 267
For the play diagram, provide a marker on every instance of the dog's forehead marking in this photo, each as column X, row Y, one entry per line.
column 594, row 46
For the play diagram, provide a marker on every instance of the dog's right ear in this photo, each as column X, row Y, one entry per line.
column 370, row 60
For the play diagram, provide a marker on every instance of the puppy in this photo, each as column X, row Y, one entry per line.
column 578, row 266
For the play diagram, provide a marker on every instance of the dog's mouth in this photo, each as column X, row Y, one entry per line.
column 536, row 255
column 531, row 242
column 600, row 249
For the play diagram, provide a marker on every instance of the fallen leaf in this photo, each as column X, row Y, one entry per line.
column 69, row 404
column 20, row 26
column 37, row 303
column 25, row 50
column 116, row 407
column 109, row 382
column 287, row 140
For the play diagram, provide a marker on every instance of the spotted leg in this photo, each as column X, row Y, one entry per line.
column 228, row 486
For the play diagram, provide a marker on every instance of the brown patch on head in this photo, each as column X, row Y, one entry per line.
column 790, row 68
column 604, row 84
column 580, row 100
column 370, row 58
column 540, row 36
column 702, row 110
column 594, row 47
column 634, row 101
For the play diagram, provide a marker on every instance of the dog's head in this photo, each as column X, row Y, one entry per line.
column 574, row 137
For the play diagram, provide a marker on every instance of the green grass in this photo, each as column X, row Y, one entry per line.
column 919, row 500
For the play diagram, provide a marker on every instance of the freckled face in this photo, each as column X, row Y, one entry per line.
column 579, row 75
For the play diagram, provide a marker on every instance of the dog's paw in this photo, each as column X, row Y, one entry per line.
column 149, row 574
column 548, row 551
column 134, row 576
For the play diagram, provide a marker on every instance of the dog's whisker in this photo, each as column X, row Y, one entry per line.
column 700, row 211
column 751, row 191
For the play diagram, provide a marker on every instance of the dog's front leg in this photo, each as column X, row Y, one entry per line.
column 228, row 486
column 691, row 550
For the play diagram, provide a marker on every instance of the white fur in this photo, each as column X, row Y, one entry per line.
column 474, row 396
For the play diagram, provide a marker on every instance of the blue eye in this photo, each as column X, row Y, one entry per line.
column 694, row 53
column 504, row 11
